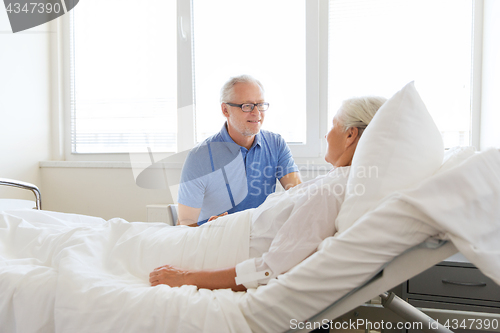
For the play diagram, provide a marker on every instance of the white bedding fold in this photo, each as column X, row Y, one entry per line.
column 466, row 209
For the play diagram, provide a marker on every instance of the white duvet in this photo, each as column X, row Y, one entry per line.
column 71, row 273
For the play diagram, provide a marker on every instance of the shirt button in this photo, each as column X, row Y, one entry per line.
column 267, row 274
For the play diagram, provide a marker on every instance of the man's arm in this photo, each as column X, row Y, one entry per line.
column 188, row 215
column 206, row 279
column 287, row 164
column 290, row 180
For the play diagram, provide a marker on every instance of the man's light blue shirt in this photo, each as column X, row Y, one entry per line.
column 221, row 176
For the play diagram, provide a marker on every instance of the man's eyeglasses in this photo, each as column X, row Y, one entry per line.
column 248, row 107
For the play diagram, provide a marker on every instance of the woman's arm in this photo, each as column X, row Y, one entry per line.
column 206, row 279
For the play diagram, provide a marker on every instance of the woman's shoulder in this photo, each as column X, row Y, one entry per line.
column 339, row 172
column 335, row 174
column 335, row 177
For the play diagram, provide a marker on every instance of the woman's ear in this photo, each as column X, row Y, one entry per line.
column 352, row 136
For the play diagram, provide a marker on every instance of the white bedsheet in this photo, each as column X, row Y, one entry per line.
column 71, row 273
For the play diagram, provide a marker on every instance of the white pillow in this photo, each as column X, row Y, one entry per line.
column 400, row 147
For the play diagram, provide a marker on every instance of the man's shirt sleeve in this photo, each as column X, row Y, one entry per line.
column 193, row 182
column 286, row 164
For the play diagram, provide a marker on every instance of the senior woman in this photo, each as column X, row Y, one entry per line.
column 289, row 226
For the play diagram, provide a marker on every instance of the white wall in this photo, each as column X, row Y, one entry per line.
column 106, row 192
column 24, row 103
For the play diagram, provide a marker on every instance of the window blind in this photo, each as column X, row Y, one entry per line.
column 123, row 76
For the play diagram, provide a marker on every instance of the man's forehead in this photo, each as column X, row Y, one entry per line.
column 248, row 90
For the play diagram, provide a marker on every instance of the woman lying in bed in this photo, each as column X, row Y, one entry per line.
column 289, row 225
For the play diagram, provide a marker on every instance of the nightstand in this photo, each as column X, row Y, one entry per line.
column 457, row 285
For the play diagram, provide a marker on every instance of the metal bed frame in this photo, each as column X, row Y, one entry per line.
column 26, row 186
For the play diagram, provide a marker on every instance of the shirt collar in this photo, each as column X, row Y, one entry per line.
column 226, row 137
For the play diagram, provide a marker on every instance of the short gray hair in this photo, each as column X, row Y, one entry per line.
column 359, row 111
column 226, row 93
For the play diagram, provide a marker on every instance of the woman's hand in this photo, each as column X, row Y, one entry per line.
column 169, row 275
column 208, row 279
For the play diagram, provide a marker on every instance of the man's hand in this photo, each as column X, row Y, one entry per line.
column 215, row 217
column 290, row 180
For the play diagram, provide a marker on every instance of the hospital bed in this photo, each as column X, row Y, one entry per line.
column 343, row 313
column 386, row 279
column 309, row 290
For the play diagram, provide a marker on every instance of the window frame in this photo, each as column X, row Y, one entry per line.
column 316, row 12
column 477, row 69
column 316, row 86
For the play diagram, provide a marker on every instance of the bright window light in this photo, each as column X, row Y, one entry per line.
column 124, row 76
column 265, row 39
column 377, row 46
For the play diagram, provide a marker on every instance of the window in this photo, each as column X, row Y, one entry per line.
column 262, row 38
column 123, row 76
column 377, row 46
column 139, row 75
column 133, row 85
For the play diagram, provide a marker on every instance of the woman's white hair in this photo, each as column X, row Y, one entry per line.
column 226, row 92
column 359, row 111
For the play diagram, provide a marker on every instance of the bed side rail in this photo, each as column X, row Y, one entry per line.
column 395, row 272
column 26, row 186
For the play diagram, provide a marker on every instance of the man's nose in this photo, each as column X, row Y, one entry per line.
column 255, row 109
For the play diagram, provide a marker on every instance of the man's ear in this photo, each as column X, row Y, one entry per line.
column 352, row 136
column 225, row 112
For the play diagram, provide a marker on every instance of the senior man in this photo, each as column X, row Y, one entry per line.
column 237, row 168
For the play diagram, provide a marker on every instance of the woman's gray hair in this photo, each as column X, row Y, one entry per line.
column 359, row 111
column 226, row 93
